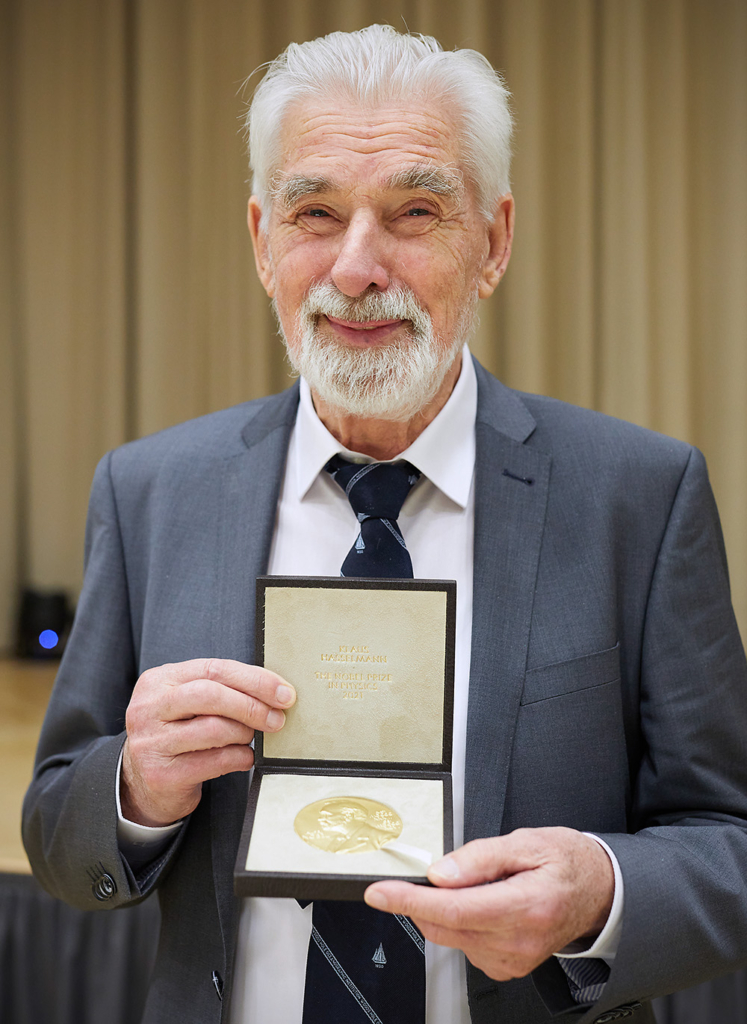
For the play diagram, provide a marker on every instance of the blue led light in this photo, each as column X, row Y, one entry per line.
column 48, row 639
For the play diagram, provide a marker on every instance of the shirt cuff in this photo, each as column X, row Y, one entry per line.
column 133, row 839
column 605, row 945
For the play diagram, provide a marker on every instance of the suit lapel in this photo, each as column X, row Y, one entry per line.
column 511, row 487
column 250, row 488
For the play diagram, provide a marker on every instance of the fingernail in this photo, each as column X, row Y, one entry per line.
column 446, row 868
column 376, row 899
column 283, row 694
column 275, row 719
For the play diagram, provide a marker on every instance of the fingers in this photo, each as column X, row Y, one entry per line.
column 247, row 694
column 195, row 766
column 497, row 940
column 204, row 732
column 471, row 909
column 509, row 902
column 160, row 789
column 207, row 697
column 252, row 680
column 485, row 860
column 193, row 721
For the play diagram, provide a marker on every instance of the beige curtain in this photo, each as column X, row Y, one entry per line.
column 127, row 283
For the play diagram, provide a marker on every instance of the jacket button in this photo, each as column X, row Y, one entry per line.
column 104, row 887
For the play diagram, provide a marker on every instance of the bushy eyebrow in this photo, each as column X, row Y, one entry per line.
column 289, row 190
column 441, row 181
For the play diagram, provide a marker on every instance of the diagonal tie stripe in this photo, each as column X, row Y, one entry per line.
column 376, row 493
column 344, row 977
column 364, row 471
column 412, row 931
column 364, row 965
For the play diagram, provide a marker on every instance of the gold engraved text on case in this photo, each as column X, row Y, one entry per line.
column 347, row 824
column 353, row 682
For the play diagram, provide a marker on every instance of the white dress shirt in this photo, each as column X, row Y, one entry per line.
column 314, row 530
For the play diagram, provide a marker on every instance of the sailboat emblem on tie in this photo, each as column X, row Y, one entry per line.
column 378, row 958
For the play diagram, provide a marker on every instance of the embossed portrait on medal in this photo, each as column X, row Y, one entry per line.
column 344, row 824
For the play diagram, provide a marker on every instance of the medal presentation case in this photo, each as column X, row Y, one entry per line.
column 356, row 787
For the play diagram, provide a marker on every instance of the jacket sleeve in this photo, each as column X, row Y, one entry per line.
column 684, row 861
column 69, row 813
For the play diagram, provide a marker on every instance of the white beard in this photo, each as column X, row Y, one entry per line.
column 387, row 382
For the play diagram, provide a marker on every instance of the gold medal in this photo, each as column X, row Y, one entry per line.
column 347, row 824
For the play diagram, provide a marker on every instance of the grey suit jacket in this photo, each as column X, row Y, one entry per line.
column 608, row 689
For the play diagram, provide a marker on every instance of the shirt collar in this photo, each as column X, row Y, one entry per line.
column 444, row 452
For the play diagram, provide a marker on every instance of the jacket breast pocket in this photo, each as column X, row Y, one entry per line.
column 569, row 676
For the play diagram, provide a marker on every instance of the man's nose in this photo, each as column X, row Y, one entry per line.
column 360, row 261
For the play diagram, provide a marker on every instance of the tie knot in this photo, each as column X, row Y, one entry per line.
column 375, row 490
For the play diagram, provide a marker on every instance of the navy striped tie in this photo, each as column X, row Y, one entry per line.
column 376, row 492
column 364, row 965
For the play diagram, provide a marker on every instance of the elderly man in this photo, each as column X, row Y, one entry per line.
column 600, row 778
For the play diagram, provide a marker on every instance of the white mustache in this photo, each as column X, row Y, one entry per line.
column 397, row 303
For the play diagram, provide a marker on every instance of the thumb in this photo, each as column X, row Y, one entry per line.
column 484, row 860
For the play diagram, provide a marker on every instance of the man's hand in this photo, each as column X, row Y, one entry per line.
column 190, row 722
column 545, row 888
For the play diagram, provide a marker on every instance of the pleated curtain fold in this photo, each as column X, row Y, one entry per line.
column 127, row 292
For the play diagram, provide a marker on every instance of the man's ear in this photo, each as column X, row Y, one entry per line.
column 500, row 240
column 261, row 248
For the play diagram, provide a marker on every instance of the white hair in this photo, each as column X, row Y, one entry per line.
column 375, row 66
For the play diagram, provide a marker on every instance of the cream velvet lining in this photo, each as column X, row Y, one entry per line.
column 368, row 667
column 274, row 845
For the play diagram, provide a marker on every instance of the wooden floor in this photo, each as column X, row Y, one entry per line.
column 24, row 691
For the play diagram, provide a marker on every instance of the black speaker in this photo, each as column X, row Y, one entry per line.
column 44, row 622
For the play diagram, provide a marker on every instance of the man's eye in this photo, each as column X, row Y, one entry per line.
column 419, row 211
column 316, row 213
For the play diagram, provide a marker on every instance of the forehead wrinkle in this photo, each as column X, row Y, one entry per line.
column 368, row 129
column 372, row 125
